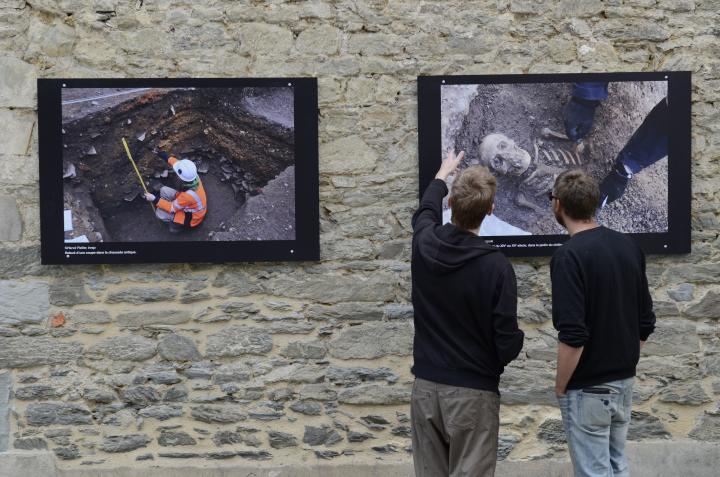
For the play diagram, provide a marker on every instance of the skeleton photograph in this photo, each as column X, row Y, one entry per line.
column 528, row 133
column 178, row 164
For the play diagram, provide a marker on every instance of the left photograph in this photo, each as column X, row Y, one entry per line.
column 149, row 164
column 140, row 166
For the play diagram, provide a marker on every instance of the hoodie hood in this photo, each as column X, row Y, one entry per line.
column 447, row 248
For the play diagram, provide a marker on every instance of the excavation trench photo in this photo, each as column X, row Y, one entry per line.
column 241, row 141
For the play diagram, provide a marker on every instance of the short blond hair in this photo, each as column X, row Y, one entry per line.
column 472, row 196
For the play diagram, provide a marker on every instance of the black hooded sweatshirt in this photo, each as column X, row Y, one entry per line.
column 465, row 299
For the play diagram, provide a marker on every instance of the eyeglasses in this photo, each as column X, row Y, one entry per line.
column 551, row 196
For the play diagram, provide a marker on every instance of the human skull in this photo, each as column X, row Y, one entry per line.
column 502, row 155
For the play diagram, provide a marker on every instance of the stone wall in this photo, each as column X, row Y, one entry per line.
column 291, row 363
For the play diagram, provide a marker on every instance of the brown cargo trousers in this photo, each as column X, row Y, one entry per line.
column 454, row 430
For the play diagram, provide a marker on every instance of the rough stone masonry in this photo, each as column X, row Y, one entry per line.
column 295, row 363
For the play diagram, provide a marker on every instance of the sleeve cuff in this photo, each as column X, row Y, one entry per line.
column 444, row 185
column 573, row 341
column 645, row 333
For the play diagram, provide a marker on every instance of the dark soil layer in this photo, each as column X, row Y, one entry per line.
column 237, row 153
column 520, row 111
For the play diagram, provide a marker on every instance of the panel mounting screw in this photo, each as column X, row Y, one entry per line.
column 292, row 251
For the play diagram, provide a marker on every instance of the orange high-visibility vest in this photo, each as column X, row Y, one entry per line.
column 189, row 207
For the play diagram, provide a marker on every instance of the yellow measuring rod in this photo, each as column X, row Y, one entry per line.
column 127, row 150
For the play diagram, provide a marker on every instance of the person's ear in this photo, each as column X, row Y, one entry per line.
column 450, row 202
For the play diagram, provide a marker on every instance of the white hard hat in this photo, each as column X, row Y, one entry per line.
column 186, row 170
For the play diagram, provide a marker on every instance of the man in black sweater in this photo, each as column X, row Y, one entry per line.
column 465, row 300
column 603, row 313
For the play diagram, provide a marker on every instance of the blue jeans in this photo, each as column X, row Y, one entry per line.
column 596, row 421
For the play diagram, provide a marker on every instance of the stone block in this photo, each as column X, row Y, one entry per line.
column 123, row 348
column 57, row 413
column 17, row 83
column 238, row 341
column 140, row 295
column 68, row 292
column 26, row 352
column 303, row 349
column 373, row 340
column 23, row 302
column 347, row 155
column 175, row 438
column 322, row 39
column 374, row 394
column 124, row 443
column 16, row 133
column 672, row 337
column 280, row 440
column 261, row 39
column 12, row 228
column 138, row 319
column 5, row 388
column 175, row 347
column 708, row 307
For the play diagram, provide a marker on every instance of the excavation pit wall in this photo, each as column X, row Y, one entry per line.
column 93, row 391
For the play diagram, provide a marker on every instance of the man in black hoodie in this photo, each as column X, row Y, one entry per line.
column 465, row 300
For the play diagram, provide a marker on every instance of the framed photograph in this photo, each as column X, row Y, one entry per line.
column 630, row 131
column 178, row 170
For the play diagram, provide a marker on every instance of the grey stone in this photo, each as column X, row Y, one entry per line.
column 176, row 438
column 5, row 387
column 237, row 341
column 280, row 440
column 327, row 454
column 528, row 382
column 707, row 428
column 399, row 311
column 290, row 327
column 140, row 395
column 317, row 436
column 68, row 452
column 295, row 373
column 17, row 79
column 203, row 370
column 506, row 443
column 68, row 292
column 123, row 348
column 373, row 394
column 373, row 340
column 8, row 332
column 334, row 156
column 175, row 347
column 663, row 308
column 16, row 133
column 161, row 412
column 708, row 307
column 239, row 436
column 158, row 373
column 232, row 373
column 672, row 337
column 352, row 311
column 694, row 272
column 142, row 457
column 304, row 349
column 99, row 395
column 179, row 455
column 639, row 30
column 552, row 431
column 140, row 295
column 49, row 413
column 30, row 443
column 534, row 311
column 375, row 287
column 646, row 426
column 176, row 393
column 386, row 449
column 308, row 408
column 138, row 319
column 22, row 303
column 682, row 292
column 255, row 455
column 318, row 392
column 374, row 422
column 354, row 436
column 401, row 431
column 686, row 393
column 12, row 228
column 357, row 375
column 36, row 391
column 216, row 414
column 88, row 317
column 16, row 262
column 124, row 443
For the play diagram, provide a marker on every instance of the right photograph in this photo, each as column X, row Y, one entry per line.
column 528, row 133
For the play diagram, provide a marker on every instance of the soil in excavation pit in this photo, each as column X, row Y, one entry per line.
column 238, row 150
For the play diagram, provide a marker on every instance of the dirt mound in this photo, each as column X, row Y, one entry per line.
column 521, row 111
column 237, row 153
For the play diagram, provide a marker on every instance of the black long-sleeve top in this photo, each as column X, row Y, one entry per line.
column 601, row 302
column 465, row 300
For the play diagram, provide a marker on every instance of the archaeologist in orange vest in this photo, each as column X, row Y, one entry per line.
column 185, row 208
